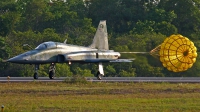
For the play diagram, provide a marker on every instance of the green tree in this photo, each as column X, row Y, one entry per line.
column 9, row 17
column 187, row 11
column 5, row 51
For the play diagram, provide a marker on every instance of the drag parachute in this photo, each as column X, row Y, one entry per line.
column 177, row 53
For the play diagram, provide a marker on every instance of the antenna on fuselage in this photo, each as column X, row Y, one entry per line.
column 65, row 41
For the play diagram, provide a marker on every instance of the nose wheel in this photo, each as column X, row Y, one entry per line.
column 51, row 74
column 35, row 76
column 52, row 70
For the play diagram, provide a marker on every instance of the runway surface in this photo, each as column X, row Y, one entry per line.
column 108, row 79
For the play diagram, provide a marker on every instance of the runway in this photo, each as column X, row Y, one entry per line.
column 108, row 79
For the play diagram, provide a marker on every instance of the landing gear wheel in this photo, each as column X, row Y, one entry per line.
column 35, row 76
column 51, row 74
column 99, row 76
column 52, row 70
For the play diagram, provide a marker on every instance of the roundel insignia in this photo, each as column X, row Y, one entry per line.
column 101, row 25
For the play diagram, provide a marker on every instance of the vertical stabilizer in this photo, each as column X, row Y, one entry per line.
column 100, row 40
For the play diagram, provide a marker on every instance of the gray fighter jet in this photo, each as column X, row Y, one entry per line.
column 55, row 52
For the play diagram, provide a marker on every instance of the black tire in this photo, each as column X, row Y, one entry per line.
column 99, row 76
column 51, row 75
column 35, row 76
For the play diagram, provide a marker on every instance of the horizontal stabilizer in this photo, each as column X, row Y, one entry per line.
column 135, row 52
column 97, row 60
column 108, row 60
column 122, row 60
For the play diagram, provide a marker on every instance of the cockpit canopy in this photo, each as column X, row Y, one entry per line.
column 46, row 45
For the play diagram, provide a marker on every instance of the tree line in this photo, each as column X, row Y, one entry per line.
column 133, row 25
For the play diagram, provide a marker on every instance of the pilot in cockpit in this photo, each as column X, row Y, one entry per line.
column 46, row 45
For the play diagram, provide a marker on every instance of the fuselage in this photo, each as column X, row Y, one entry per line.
column 55, row 52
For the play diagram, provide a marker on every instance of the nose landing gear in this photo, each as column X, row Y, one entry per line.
column 52, row 70
column 35, row 76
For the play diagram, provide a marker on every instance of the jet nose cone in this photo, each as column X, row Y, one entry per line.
column 22, row 58
column 18, row 59
column 14, row 60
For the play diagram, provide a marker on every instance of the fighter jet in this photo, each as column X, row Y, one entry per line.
column 56, row 52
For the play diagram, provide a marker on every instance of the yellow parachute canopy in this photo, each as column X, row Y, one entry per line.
column 177, row 53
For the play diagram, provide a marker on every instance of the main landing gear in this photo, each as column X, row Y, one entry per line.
column 52, row 70
column 100, row 73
